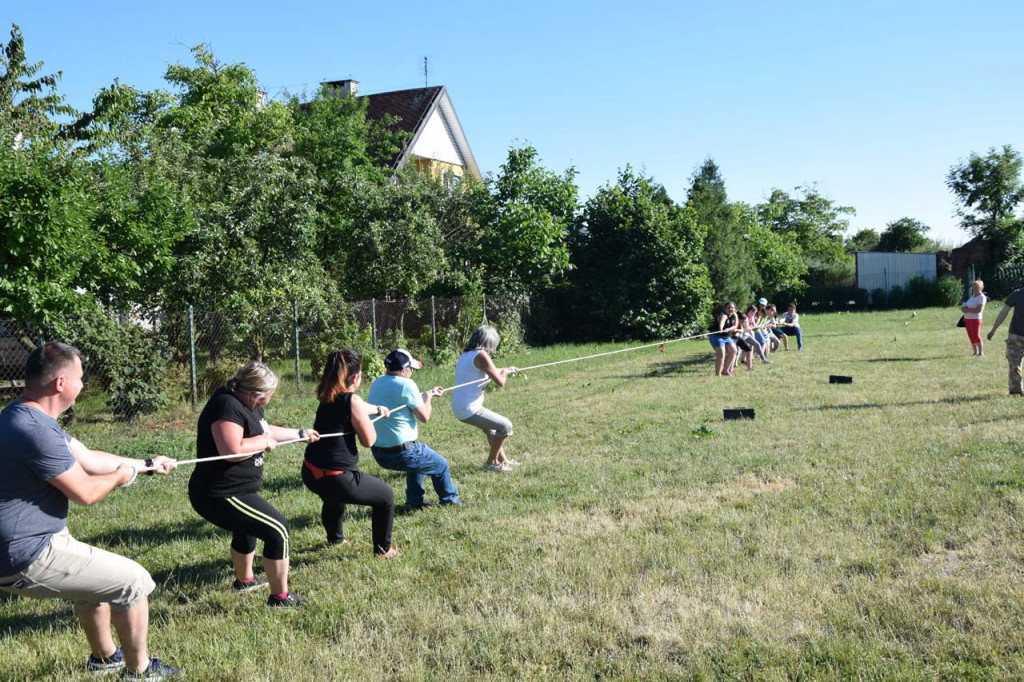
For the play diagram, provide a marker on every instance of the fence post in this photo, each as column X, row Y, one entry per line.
column 373, row 323
column 298, row 369
column 484, row 299
column 192, row 352
column 433, row 330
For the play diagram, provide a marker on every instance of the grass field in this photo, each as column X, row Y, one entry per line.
column 870, row 530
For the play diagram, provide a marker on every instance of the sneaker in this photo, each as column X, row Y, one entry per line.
column 456, row 503
column 418, row 506
column 292, row 601
column 105, row 666
column 392, row 553
column 251, row 585
column 511, row 462
column 157, row 670
column 497, row 467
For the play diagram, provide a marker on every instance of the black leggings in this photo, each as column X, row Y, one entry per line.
column 354, row 487
column 249, row 517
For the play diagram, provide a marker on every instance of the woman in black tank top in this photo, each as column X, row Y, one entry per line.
column 723, row 326
column 331, row 468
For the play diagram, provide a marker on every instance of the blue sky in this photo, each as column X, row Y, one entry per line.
column 873, row 101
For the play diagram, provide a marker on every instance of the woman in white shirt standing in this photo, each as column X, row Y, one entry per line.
column 972, row 310
column 475, row 365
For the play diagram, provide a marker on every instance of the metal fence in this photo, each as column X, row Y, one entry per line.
column 175, row 359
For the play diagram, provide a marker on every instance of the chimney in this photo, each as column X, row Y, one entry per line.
column 345, row 88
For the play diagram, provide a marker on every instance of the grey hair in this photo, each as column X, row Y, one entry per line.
column 255, row 377
column 483, row 338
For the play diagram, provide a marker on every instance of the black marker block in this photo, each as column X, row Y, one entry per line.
column 839, row 379
column 740, row 413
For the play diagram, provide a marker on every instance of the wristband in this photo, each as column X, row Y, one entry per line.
column 302, row 434
column 149, row 466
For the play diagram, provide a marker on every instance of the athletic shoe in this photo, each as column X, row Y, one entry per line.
column 292, row 601
column 512, row 462
column 106, row 666
column 497, row 467
column 412, row 506
column 242, row 586
column 157, row 670
column 456, row 503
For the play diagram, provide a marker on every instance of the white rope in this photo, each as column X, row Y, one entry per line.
column 237, row 454
column 451, row 388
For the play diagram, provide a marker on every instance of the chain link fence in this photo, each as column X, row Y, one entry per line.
column 174, row 360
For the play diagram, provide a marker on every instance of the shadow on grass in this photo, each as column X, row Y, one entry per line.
column 665, row 369
column 60, row 619
column 917, row 359
column 878, row 406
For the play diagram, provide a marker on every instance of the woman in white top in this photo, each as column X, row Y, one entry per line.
column 972, row 310
column 475, row 365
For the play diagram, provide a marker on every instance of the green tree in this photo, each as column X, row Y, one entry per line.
column 639, row 270
column 727, row 248
column 988, row 190
column 905, row 234
column 524, row 215
column 48, row 254
column 864, row 240
column 250, row 245
column 29, row 102
column 812, row 221
column 779, row 265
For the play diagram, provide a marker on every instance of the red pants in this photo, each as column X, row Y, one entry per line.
column 973, row 330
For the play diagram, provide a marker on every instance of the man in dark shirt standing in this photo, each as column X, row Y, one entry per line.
column 41, row 469
column 1015, row 338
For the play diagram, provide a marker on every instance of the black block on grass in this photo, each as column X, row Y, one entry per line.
column 839, row 379
column 739, row 413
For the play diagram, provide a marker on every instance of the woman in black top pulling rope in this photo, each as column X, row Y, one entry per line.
column 331, row 467
column 225, row 492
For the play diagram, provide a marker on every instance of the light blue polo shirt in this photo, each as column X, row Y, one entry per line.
column 393, row 392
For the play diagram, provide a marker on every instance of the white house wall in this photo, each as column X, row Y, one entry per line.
column 886, row 270
column 435, row 142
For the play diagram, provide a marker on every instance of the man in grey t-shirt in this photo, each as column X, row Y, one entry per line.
column 1015, row 338
column 42, row 468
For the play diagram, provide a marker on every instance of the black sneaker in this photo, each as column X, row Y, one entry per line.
column 157, row 670
column 292, row 601
column 456, row 503
column 241, row 587
column 418, row 507
column 106, row 666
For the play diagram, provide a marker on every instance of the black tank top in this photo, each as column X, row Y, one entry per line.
column 730, row 321
column 335, row 453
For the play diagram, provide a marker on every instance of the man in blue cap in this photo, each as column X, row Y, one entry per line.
column 397, row 446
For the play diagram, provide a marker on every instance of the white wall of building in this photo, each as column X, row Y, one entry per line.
column 435, row 142
column 887, row 270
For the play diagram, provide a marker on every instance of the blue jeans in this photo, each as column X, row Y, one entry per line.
column 417, row 461
column 795, row 331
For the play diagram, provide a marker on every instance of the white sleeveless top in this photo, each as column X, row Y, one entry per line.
column 468, row 400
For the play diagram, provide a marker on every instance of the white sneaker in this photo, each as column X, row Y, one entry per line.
column 502, row 468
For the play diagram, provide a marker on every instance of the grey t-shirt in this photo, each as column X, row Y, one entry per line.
column 1016, row 299
column 33, row 449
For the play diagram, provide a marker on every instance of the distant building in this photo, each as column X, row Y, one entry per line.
column 437, row 144
column 977, row 252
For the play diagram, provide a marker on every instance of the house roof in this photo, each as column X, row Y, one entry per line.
column 413, row 108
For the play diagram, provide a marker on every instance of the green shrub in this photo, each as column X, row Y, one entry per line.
column 948, row 291
column 126, row 361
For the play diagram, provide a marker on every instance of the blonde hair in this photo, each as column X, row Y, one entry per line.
column 254, row 377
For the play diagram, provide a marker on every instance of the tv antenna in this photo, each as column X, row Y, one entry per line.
column 424, row 72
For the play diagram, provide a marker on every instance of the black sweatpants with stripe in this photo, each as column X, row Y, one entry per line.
column 250, row 518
